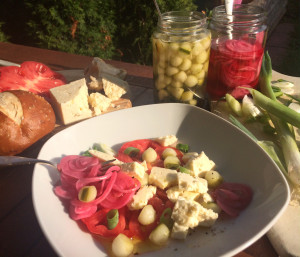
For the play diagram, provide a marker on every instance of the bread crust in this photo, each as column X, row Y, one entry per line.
column 38, row 120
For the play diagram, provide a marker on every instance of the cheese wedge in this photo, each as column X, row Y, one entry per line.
column 70, row 101
column 114, row 87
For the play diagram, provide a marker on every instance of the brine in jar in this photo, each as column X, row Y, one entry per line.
column 238, row 42
column 181, row 49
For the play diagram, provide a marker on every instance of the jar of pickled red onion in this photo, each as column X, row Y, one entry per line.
column 181, row 48
column 237, row 48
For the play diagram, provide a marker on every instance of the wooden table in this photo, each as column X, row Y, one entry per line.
column 20, row 234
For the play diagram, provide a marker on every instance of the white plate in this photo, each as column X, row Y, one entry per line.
column 238, row 158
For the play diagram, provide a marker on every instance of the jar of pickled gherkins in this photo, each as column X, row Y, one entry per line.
column 181, row 47
column 237, row 48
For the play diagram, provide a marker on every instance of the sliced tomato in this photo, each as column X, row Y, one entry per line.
column 232, row 197
column 97, row 223
column 141, row 144
column 30, row 76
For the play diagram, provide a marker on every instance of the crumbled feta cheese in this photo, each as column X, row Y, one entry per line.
column 162, row 177
column 167, row 140
column 189, row 213
column 207, row 217
column 179, row 232
column 186, row 157
column 186, row 212
column 173, row 193
column 199, row 165
column 187, row 182
column 141, row 198
column 114, row 87
column 206, row 198
column 99, row 103
column 134, row 169
column 105, row 157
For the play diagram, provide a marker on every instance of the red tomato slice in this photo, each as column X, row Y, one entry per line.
column 232, row 197
column 141, row 144
column 30, row 76
column 97, row 223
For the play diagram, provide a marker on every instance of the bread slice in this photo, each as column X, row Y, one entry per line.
column 70, row 101
column 11, row 106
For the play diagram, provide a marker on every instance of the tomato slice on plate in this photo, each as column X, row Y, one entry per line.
column 97, row 223
column 30, row 76
column 232, row 197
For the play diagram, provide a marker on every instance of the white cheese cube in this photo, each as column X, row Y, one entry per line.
column 105, row 157
column 186, row 212
column 179, row 232
column 162, row 177
column 205, row 198
column 187, row 182
column 134, row 169
column 167, row 140
column 207, row 217
column 114, row 87
column 140, row 199
column 187, row 156
column 70, row 101
column 99, row 103
column 199, row 165
column 173, row 193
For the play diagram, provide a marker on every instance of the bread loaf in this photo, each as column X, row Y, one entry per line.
column 24, row 119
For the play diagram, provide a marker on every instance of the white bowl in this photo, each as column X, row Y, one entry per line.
column 237, row 156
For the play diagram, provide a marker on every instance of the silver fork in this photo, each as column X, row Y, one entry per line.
column 18, row 160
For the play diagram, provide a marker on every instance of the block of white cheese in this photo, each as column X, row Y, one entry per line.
column 199, row 165
column 167, row 140
column 99, row 103
column 162, row 177
column 141, row 198
column 105, row 157
column 70, row 101
column 114, row 87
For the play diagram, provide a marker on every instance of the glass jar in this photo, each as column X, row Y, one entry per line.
column 237, row 48
column 181, row 47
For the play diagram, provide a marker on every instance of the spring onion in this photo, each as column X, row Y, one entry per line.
column 183, row 147
column 268, row 146
column 272, row 106
column 131, row 151
column 112, row 218
column 184, row 170
column 87, row 193
column 278, row 114
column 234, row 104
column 166, row 219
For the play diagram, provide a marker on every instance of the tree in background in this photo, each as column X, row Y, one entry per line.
column 109, row 29
column 3, row 36
column 136, row 21
column 81, row 27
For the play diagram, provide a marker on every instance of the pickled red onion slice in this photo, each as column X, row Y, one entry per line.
column 114, row 188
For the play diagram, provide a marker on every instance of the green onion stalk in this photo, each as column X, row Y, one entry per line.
column 281, row 116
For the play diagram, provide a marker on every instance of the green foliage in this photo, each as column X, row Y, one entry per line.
column 136, row 22
column 3, row 36
column 81, row 27
column 118, row 29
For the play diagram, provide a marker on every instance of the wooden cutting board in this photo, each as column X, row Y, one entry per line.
column 72, row 75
